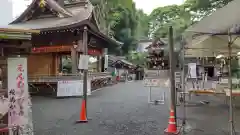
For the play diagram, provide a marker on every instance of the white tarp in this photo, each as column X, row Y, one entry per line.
column 219, row 21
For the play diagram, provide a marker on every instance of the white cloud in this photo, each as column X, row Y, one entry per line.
column 149, row 5
column 19, row 6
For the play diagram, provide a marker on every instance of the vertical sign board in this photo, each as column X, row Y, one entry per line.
column 105, row 61
column 177, row 80
column 83, row 62
column 18, row 96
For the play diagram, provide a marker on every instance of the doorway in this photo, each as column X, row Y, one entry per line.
column 210, row 71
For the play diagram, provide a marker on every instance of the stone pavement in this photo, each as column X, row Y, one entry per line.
column 122, row 109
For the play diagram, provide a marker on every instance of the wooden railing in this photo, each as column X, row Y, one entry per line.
column 56, row 78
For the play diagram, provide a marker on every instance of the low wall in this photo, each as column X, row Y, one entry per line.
column 49, row 85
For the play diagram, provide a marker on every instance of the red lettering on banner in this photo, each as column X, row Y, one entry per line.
column 20, row 78
column 49, row 49
column 20, row 86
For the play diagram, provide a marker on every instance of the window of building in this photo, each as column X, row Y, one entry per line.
column 65, row 64
column 92, row 67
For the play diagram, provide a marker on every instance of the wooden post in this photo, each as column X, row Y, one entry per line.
column 99, row 64
column 85, row 71
column 3, row 66
column 172, row 71
column 74, row 60
column 231, row 118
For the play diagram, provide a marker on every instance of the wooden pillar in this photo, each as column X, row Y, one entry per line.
column 55, row 64
column 99, row 63
column 3, row 66
column 74, row 60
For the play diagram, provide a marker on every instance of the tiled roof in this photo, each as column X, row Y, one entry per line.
column 158, row 43
column 73, row 15
column 114, row 59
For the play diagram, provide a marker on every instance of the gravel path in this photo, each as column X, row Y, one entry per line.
column 123, row 110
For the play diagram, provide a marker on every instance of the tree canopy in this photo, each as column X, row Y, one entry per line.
column 181, row 16
column 121, row 20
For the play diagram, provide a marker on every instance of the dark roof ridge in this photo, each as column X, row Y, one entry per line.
column 53, row 4
column 158, row 41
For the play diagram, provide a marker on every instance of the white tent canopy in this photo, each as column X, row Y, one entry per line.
column 217, row 26
column 209, row 46
column 220, row 21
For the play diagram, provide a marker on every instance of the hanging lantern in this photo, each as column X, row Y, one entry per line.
column 42, row 3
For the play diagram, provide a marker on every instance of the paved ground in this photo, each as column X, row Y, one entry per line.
column 123, row 110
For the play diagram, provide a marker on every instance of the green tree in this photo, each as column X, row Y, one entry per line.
column 163, row 17
column 121, row 20
column 181, row 16
column 137, row 58
column 142, row 31
column 202, row 8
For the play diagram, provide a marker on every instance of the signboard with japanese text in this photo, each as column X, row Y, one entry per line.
column 83, row 62
column 18, row 95
column 177, row 80
column 72, row 88
column 106, row 61
column 153, row 82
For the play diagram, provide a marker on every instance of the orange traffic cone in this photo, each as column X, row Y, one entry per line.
column 172, row 127
column 83, row 115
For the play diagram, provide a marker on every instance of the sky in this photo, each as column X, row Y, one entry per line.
column 19, row 6
column 149, row 5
